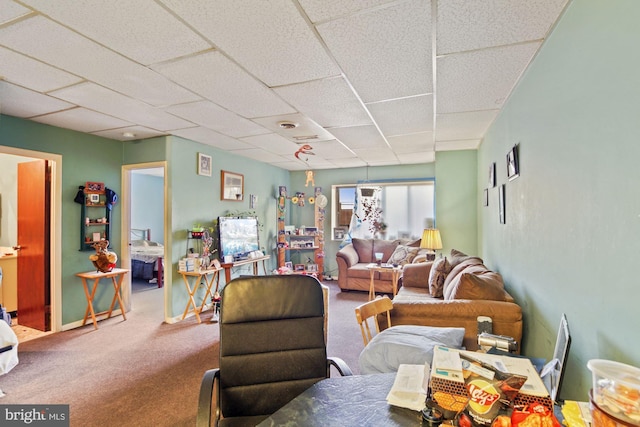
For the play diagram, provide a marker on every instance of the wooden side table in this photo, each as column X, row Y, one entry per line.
column 116, row 275
column 395, row 275
column 197, row 277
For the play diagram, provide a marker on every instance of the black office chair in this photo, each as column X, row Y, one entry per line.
column 272, row 348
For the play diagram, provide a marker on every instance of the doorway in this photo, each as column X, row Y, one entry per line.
column 144, row 231
column 10, row 155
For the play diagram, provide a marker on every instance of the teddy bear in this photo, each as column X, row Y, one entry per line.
column 104, row 259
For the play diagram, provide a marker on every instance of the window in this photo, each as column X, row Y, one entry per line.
column 387, row 209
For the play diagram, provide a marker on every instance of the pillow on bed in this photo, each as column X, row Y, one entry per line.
column 136, row 243
column 153, row 243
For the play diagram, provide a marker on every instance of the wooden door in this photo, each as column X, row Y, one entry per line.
column 34, row 202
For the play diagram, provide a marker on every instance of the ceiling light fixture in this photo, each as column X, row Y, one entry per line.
column 129, row 135
column 287, row 125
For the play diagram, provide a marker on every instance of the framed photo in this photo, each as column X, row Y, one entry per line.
column 486, row 197
column 338, row 233
column 96, row 237
column 204, row 164
column 231, row 186
column 513, row 168
column 501, row 203
column 94, row 198
column 312, row 268
column 492, row 175
column 289, row 265
column 299, row 267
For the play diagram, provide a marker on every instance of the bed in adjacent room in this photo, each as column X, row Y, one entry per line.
column 147, row 257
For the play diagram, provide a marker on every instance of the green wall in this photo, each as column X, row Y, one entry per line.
column 85, row 158
column 570, row 240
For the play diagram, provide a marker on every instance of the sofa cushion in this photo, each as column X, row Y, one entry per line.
column 438, row 275
column 403, row 255
column 406, row 344
column 386, row 247
column 458, row 268
column 364, row 248
column 485, row 285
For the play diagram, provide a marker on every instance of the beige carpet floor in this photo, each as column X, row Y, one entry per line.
column 142, row 371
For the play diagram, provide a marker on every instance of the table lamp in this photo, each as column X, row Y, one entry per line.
column 431, row 240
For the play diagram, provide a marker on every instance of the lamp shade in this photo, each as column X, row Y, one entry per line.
column 431, row 239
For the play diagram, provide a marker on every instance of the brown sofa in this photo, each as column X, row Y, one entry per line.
column 468, row 289
column 353, row 258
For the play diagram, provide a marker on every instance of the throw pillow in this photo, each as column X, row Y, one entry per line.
column 406, row 344
column 487, row 285
column 437, row 276
column 403, row 255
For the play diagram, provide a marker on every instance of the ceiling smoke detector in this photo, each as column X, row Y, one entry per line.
column 287, row 125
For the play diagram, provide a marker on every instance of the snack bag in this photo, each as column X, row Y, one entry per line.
column 534, row 415
column 491, row 394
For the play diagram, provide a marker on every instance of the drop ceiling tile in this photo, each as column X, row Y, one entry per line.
column 385, row 53
column 101, row 99
column 139, row 132
column 471, row 144
column 349, row 162
column 273, row 143
column 269, row 39
column 214, row 117
column 481, row 80
column 141, row 30
column 474, row 24
column 329, row 102
column 315, row 162
column 215, row 77
column 377, row 155
column 211, row 137
column 360, row 137
column 331, row 150
column 288, row 165
column 322, row 10
column 306, row 130
column 402, row 116
column 32, row 74
column 82, row 120
column 20, row 102
column 417, row 158
column 41, row 38
column 469, row 125
column 413, row 143
column 11, row 10
column 259, row 154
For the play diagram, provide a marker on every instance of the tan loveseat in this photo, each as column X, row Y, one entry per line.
column 353, row 259
column 468, row 289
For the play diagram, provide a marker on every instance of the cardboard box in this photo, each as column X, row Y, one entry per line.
column 446, row 374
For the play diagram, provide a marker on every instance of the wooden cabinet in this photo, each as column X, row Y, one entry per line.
column 95, row 216
column 9, row 282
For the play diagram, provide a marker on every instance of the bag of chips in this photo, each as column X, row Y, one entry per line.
column 491, row 394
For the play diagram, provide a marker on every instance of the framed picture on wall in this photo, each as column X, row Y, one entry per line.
column 513, row 167
column 492, row 175
column 204, row 164
column 232, row 186
column 501, row 204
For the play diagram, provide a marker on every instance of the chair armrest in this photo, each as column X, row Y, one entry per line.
column 349, row 255
column 340, row 365
column 207, row 385
column 416, row 275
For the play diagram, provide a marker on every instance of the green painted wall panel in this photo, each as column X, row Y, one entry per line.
column 573, row 216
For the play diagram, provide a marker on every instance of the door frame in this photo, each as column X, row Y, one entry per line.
column 55, row 251
column 126, row 227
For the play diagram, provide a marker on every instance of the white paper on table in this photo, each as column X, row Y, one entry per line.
column 410, row 387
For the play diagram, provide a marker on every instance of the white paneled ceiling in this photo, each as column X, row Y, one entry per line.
column 363, row 82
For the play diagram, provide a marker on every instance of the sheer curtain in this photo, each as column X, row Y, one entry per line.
column 367, row 217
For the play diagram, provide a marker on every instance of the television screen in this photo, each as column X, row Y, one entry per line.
column 238, row 236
